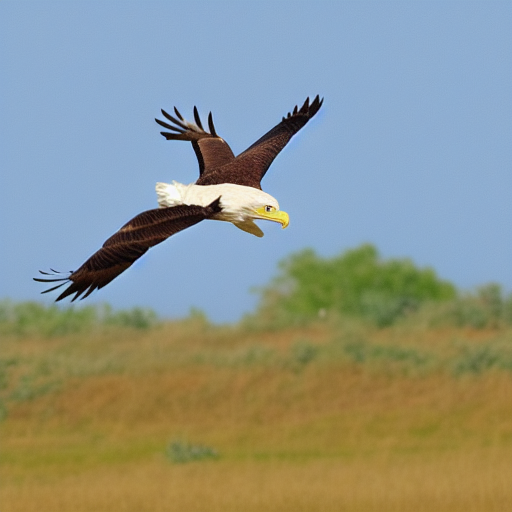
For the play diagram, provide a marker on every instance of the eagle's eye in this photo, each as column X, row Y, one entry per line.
column 269, row 208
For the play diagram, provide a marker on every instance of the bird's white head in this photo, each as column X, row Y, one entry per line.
column 242, row 204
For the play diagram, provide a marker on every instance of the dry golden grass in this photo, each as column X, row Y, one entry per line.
column 474, row 482
column 89, row 419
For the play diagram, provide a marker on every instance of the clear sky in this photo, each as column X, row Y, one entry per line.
column 412, row 150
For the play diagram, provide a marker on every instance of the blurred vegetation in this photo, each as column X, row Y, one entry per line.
column 30, row 369
column 193, row 400
column 350, row 362
column 181, row 452
column 30, row 318
column 360, row 284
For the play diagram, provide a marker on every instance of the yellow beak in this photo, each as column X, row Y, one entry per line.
column 275, row 216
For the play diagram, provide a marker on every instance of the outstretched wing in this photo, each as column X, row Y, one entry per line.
column 249, row 167
column 211, row 150
column 127, row 245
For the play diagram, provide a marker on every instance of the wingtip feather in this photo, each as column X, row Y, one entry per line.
column 176, row 111
column 197, row 118
column 211, row 126
column 53, row 288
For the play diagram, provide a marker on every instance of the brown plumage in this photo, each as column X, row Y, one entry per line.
column 127, row 245
column 217, row 165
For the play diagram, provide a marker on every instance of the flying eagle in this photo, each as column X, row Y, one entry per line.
column 228, row 189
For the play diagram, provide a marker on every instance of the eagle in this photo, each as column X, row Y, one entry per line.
column 228, row 189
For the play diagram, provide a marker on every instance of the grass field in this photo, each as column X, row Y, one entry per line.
column 327, row 418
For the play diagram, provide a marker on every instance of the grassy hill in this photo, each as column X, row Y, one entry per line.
column 188, row 416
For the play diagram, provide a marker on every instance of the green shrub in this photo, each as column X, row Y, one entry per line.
column 486, row 307
column 481, row 358
column 362, row 352
column 179, row 452
column 33, row 318
column 136, row 318
column 357, row 283
column 303, row 352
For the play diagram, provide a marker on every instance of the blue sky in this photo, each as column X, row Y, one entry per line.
column 411, row 151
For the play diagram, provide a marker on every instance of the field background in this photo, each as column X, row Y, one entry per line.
column 331, row 416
